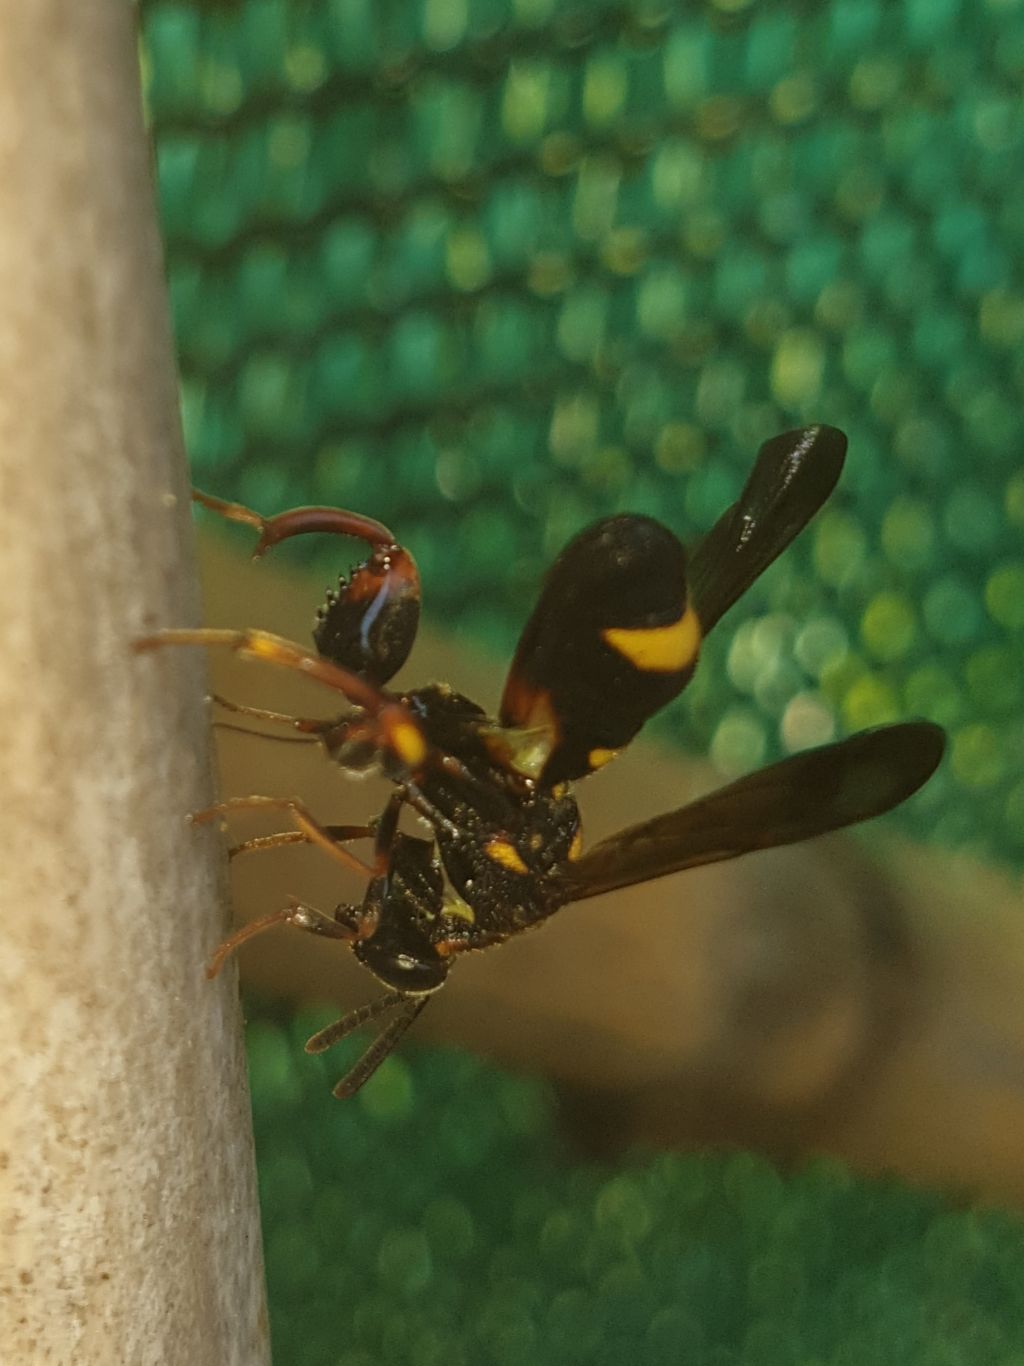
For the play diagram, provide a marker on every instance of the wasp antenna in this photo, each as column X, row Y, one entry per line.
column 311, row 725
column 341, row 1029
column 254, row 734
column 383, row 1044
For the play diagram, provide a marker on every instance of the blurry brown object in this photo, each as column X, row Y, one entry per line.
column 853, row 995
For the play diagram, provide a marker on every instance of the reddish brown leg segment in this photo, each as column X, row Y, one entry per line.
column 285, row 654
column 298, row 522
column 305, row 821
column 389, row 721
column 296, row 913
column 339, row 833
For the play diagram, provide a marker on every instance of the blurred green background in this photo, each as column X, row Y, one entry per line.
column 489, row 269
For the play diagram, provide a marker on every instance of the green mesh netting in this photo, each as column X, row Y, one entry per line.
column 487, row 269
column 435, row 1222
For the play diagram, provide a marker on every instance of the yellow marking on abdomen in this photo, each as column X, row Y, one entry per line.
column 658, row 649
column 597, row 758
column 506, row 855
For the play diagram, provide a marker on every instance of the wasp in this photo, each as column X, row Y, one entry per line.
column 615, row 635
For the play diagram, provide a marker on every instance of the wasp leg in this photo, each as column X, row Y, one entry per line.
column 303, row 917
column 266, row 735
column 305, row 821
column 285, row 654
column 298, row 522
column 455, row 768
column 414, row 795
column 308, row 725
column 338, row 833
column 424, row 807
column 385, row 832
column 389, row 724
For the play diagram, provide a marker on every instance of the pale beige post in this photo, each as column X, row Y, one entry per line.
column 128, row 1226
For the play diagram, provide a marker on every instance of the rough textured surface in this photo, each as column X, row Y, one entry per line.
column 128, row 1230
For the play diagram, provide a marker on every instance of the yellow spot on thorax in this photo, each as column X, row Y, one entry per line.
column 506, row 855
column 658, row 649
column 408, row 743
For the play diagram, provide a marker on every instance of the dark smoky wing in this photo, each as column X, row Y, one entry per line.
column 792, row 477
column 810, row 794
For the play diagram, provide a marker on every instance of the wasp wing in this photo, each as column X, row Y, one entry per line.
column 809, row 794
column 792, row 477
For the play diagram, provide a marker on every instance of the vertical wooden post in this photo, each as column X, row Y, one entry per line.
column 128, row 1225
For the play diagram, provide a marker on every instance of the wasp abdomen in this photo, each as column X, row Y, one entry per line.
column 611, row 641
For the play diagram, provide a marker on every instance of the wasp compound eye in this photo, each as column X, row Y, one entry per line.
column 404, row 971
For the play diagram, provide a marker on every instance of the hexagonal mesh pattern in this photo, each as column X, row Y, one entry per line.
column 488, row 269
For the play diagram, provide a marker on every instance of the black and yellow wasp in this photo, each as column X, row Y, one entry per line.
column 615, row 635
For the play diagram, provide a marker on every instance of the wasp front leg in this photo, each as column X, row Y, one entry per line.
column 387, row 726
column 351, row 924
